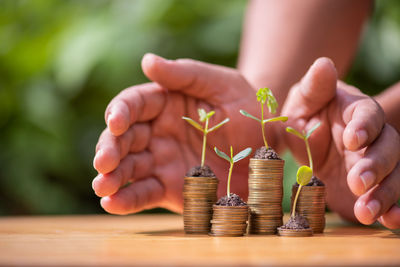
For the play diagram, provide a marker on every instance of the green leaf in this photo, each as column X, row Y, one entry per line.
column 242, row 154
column 265, row 95
column 193, row 123
column 262, row 95
column 271, row 103
column 222, row 154
column 281, row 118
column 210, row 114
column 315, row 127
column 245, row 113
column 304, row 174
column 218, row 125
column 202, row 114
column 295, row 132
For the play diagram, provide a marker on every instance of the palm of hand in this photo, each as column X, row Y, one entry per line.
column 174, row 145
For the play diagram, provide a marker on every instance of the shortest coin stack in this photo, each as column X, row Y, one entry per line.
column 229, row 220
column 199, row 195
column 296, row 226
column 295, row 232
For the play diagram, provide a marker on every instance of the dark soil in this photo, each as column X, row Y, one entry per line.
column 314, row 182
column 233, row 200
column 297, row 222
column 264, row 153
column 199, row 171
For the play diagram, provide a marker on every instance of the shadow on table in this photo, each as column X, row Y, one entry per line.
column 170, row 233
column 350, row 229
column 394, row 234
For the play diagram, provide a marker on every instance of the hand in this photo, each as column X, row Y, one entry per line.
column 148, row 144
column 355, row 152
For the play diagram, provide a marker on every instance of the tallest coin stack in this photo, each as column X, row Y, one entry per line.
column 265, row 195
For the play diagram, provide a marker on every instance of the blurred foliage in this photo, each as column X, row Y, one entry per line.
column 61, row 62
column 377, row 65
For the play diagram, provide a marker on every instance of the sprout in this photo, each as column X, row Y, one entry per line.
column 265, row 95
column 303, row 177
column 232, row 159
column 305, row 137
column 204, row 117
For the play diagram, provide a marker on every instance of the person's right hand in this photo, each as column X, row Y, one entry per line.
column 147, row 143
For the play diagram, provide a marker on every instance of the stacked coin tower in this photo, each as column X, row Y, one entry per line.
column 199, row 195
column 311, row 204
column 229, row 220
column 265, row 195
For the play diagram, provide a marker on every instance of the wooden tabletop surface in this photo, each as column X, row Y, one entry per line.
column 158, row 240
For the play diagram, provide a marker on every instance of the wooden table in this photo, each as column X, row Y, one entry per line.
column 153, row 240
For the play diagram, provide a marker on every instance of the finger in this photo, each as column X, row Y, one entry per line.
column 134, row 104
column 111, row 149
column 316, row 90
column 379, row 160
column 143, row 194
column 367, row 120
column 133, row 167
column 378, row 200
column 391, row 219
column 107, row 153
column 191, row 77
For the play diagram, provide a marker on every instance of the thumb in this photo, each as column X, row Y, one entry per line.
column 191, row 77
column 315, row 90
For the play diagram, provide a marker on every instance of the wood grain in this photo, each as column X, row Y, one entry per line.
column 155, row 240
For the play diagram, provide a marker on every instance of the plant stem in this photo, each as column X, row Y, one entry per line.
column 262, row 126
column 203, row 152
column 295, row 200
column 228, row 188
column 309, row 154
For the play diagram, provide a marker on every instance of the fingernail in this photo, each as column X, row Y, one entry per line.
column 368, row 178
column 362, row 137
column 374, row 207
column 110, row 117
column 150, row 57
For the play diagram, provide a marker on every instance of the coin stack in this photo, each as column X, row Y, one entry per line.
column 295, row 232
column 265, row 195
column 199, row 195
column 311, row 204
column 229, row 220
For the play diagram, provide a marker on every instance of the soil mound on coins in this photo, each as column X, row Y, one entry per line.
column 264, row 153
column 314, row 182
column 297, row 222
column 199, row 171
column 232, row 200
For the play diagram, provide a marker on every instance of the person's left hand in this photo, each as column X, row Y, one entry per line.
column 355, row 152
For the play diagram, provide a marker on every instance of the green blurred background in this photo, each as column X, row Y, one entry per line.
column 61, row 62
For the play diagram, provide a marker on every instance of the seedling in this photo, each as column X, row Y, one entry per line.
column 232, row 160
column 264, row 95
column 204, row 117
column 304, row 136
column 303, row 177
